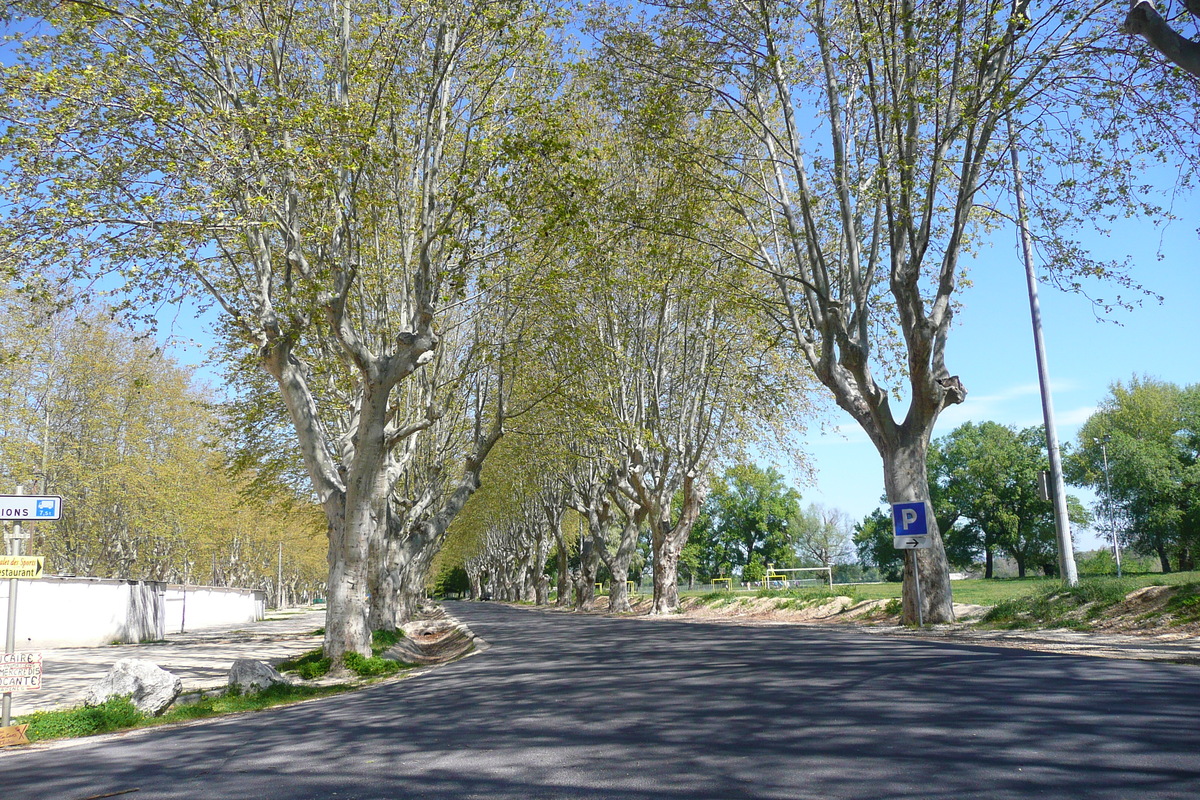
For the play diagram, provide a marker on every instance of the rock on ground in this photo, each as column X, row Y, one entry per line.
column 248, row 674
column 151, row 688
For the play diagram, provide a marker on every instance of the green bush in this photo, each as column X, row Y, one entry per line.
column 369, row 667
column 381, row 640
column 312, row 664
column 111, row 715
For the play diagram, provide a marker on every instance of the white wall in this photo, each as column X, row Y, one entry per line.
column 189, row 608
column 85, row 612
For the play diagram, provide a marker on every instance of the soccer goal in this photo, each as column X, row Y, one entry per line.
column 778, row 578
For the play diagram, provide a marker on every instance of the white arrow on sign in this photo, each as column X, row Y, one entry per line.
column 912, row 542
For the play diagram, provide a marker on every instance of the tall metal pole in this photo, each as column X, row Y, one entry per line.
column 1062, row 524
column 279, row 581
column 10, row 634
column 917, row 581
column 1112, row 522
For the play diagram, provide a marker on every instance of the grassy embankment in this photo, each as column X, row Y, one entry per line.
column 1014, row 602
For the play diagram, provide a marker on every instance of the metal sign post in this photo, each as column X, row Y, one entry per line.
column 10, row 634
column 910, row 528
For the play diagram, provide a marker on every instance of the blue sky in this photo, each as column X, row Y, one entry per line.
column 991, row 349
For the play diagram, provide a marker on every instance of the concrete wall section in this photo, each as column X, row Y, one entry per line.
column 190, row 608
column 87, row 612
column 80, row 612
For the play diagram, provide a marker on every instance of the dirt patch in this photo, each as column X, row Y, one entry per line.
column 1147, row 611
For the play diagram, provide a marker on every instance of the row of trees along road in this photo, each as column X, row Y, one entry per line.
column 417, row 221
column 92, row 413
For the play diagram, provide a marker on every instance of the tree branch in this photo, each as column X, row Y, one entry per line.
column 1145, row 21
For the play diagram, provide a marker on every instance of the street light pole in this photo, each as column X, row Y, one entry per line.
column 1112, row 523
column 1062, row 523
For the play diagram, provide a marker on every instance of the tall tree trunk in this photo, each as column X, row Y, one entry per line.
column 989, row 562
column 564, row 577
column 618, row 565
column 346, row 627
column 585, row 586
column 667, row 542
column 906, row 481
column 618, row 595
column 1186, row 564
column 666, row 574
column 1163, row 558
column 411, row 545
column 354, row 499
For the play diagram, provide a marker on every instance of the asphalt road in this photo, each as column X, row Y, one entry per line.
column 565, row 706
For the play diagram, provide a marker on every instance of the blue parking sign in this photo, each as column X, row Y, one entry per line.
column 908, row 519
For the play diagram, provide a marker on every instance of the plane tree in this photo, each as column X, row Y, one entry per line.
column 868, row 142
column 321, row 173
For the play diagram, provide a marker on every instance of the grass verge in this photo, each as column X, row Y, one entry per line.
column 120, row 714
column 1184, row 605
column 1059, row 606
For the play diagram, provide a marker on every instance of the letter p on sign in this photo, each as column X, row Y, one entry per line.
column 908, row 519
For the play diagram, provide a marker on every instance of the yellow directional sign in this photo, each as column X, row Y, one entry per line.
column 22, row 566
column 13, row 734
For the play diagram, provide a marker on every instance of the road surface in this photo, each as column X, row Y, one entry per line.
column 569, row 706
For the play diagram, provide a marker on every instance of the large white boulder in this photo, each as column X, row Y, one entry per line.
column 250, row 675
column 151, row 688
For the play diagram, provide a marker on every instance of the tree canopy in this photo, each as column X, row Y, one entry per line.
column 1150, row 430
column 103, row 418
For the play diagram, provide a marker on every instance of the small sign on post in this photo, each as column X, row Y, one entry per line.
column 910, row 527
column 20, row 672
column 22, row 566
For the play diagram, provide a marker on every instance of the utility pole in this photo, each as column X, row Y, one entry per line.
column 1062, row 524
column 1112, row 523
